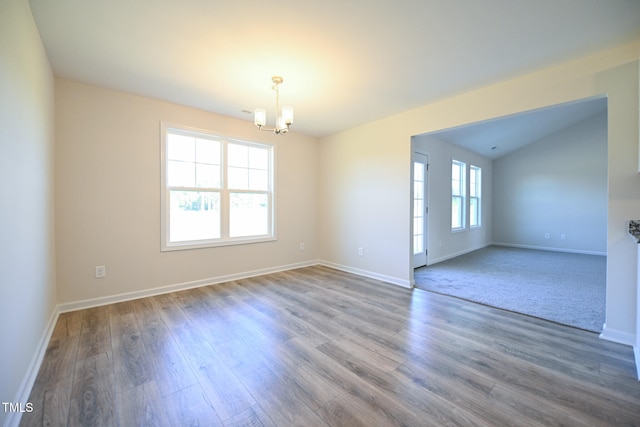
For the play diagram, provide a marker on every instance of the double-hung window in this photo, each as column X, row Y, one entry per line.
column 475, row 181
column 457, row 195
column 215, row 190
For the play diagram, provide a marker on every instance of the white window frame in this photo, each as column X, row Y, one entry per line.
column 224, row 191
column 461, row 196
column 475, row 194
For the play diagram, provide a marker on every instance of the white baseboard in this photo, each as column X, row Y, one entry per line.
column 625, row 338
column 13, row 419
column 618, row 336
column 128, row 296
column 365, row 273
column 22, row 396
column 456, row 254
column 546, row 248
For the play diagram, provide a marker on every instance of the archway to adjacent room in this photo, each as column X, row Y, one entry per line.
column 544, row 183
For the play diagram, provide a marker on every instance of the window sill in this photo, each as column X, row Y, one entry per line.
column 204, row 245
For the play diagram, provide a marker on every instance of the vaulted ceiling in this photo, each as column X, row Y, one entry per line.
column 498, row 137
column 344, row 63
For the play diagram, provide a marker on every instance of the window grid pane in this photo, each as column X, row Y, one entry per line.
column 248, row 168
column 457, row 194
column 208, row 151
column 238, row 178
column 200, row 183
column 475, row 182
column 418, row 244
column 473, row 212
column 238, row 155
column 207, row 176
column 181, row 147
column 194, row 215
column 258, row 158
column 418, row 207
column 249, row 215
column 456, row 212
column 180, row 174
column 193, row 162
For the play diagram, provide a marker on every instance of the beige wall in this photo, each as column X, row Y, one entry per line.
column 364, row 172
column 108, row 197
column 347, row 191
column 27, row 258
column 364, row 202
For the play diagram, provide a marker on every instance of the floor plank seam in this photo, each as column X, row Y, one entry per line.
column 317, row 346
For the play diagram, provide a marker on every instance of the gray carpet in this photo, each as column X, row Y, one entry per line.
column 562, row 287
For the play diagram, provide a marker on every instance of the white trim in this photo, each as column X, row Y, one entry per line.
column 462, row 196
column 636, row 352
column 423, row 158
column 223, row 191
column 13, row 419
column 365, row 273
column 128, row 296
column 478, row 196
column 546, row 248
column 457, row 254
column 618, row 336
column 509, row 245
column 24, row 391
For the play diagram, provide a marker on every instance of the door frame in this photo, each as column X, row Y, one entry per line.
column 417, row 156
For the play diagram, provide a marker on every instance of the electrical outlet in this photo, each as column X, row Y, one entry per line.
column 563, row 236
column 302, row 246
column 101, row 271
column 546, row 235
column 360, row 251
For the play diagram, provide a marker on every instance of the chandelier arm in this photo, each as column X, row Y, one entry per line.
column 275, row 130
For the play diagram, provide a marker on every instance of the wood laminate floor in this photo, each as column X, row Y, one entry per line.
column 319, row 347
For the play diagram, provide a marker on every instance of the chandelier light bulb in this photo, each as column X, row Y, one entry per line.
column 260, row 117
column 287, row 115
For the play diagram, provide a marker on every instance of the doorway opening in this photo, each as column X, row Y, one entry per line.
column 544, row 183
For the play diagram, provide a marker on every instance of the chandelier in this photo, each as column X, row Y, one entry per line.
column 284, row 118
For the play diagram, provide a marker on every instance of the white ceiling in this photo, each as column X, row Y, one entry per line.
column 344, row 62
column 496, row 138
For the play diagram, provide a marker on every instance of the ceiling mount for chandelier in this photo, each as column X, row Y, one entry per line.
column 284, row 118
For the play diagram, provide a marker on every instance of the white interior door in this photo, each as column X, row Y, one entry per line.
column 419, row 209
